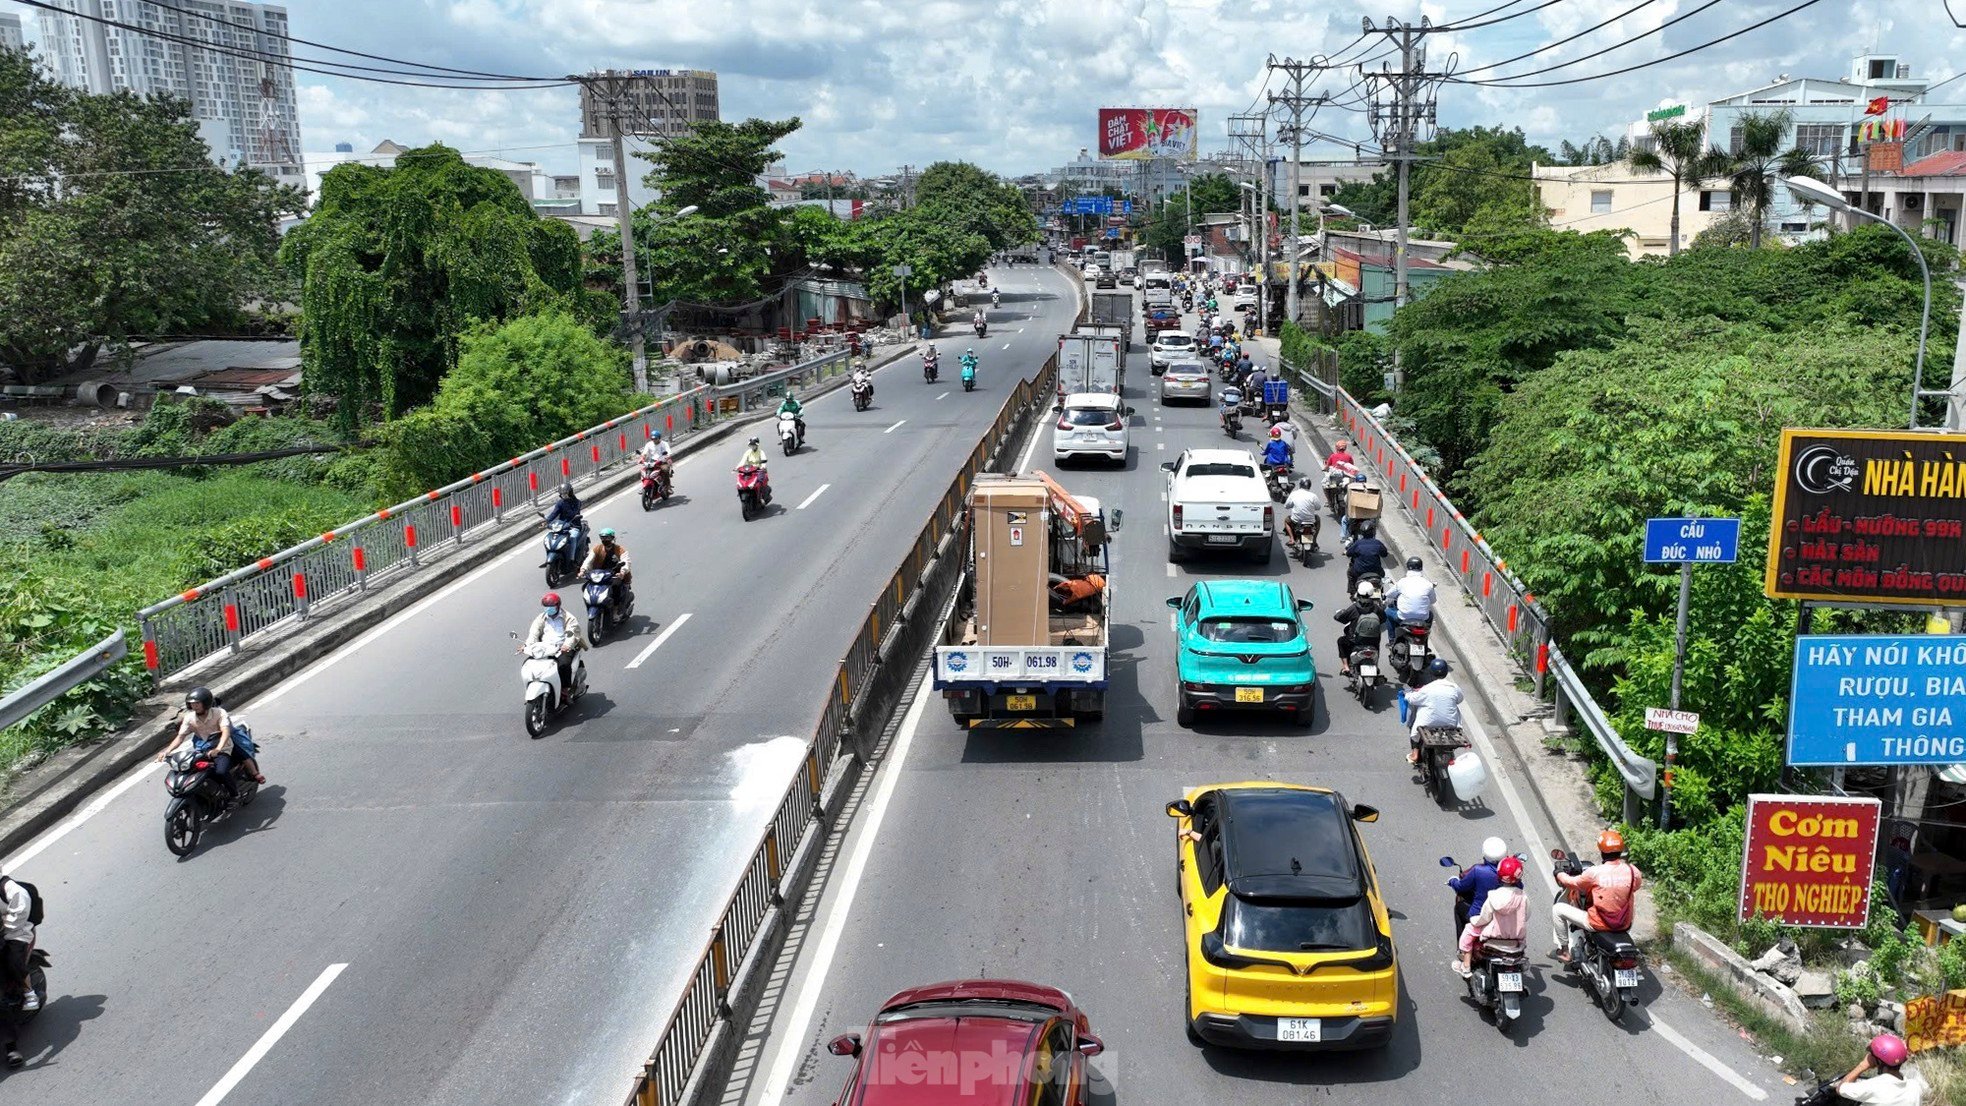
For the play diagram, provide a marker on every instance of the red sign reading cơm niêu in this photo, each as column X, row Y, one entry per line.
column 1807, row 860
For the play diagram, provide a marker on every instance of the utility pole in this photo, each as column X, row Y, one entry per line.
column 613, row 89
column 1252, row 132
column 1397, row 126
column 1297, row 104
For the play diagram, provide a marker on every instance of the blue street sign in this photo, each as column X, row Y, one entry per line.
column 1878, row 699
column 1699, row 541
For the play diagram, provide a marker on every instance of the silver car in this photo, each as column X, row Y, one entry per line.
column 1185, row 380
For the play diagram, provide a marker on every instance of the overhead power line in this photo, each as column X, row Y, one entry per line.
column 1657, row 61
column 1447, row 27
column 356, row 53
column 1546, row 47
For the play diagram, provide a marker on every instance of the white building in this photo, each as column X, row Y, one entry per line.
column 244, row 103
column 1317, row 181
column 548, row 193
column 10, row 32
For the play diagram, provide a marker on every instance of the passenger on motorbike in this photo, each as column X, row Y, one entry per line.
column 558, row 626
column 1503, row 915
column 1231, row 400
column 1346, row 524
column 1362, row 622
column 1366, row 552
column 1435, row 704
column 1891, row 1085
column 1612, row 883
column 1474, row 884
column 609, row 554
column 1278, row 452
column 1411, row 597
column 1300, row 510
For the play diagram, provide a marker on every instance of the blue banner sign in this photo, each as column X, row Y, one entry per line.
column 1699, row 541
column 1878, row 699
column 1095, row 205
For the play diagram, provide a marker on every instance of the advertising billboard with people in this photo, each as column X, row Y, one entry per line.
column 1138, row 134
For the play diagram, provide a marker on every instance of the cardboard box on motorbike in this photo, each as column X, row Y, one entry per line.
column 1363, row 501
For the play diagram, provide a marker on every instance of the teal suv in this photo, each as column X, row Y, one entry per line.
column 1240, row 645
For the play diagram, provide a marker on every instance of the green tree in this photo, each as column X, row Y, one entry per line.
column 115, row 224
column 1169, row 225
column 1753, row 168
column 517, row 386
column 978, row 202
column 1461, row 173
column 1679, row 150
column 396, row 263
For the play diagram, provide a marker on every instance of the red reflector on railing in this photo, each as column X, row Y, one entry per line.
column 457, row 516
column 624, row 442
column 1446, row 537
column 1402, row 481
column 232, row 617
column 300, row 585
column 1464, row 561
column 597, row 454
column 1512, row 618
column 1430, row 518
column 150, row 655
column 361, row 561
column 1543, row 657
column 532, row 480
column 566, row 466
column 498, row 496
column 1487, row 584
column 1416, row 501
column 409, row 536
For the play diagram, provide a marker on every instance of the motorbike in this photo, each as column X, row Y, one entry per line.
column 1334, row 492
column 1607, row 960
column 969, row 376
column 1366, row 677
column 566, row 547
column 1411, row 649
column 863, row 394
column 198, row 798
column 607, row 605
column 12, row 1016
column 1280, row 480
column 753, row 490
column 929, row 368
column 658, row 481
column 1231, row 420
column 1437, row 745
column 540, row 673
column 1304, row 548
column 1496, row 982
column 982, row 329
column 996, row 299
column 790, row 434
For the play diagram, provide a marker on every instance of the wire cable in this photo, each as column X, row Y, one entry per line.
column 1657, row 61
column 355, row 53
column 1562, row 41
column 1596, row 54
column 1499, row 19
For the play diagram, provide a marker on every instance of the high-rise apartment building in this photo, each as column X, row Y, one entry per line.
column 647, row 105
column 10, row 32
column 239, row 79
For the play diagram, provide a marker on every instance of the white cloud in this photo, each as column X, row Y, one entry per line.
column 1015, row 84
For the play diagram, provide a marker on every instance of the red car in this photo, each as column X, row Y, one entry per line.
column 978, row 1042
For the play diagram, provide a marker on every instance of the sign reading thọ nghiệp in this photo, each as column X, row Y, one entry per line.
column 1869, row 516
column 1807, row 860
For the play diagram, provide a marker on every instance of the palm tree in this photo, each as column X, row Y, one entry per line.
column 1679, row 149
column 1754, row 167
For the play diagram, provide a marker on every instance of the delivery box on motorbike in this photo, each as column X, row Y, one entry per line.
column 1363, row 501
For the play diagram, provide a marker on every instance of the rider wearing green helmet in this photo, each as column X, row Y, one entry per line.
column 610, row 554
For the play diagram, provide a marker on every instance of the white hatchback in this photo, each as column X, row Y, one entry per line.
column 1091, row 424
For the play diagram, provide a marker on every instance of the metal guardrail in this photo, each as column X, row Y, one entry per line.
column 706, row 997
column 52, row 685
column 1504, row 601
column 220, row 615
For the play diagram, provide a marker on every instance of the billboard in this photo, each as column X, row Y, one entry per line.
column 1878, row 699
column 1136, row 134
column 1807, row 860
column 1869, row 516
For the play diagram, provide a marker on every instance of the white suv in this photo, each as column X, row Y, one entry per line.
column 1091, row 424
column 1170, row 346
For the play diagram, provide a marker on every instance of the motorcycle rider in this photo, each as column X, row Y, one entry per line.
column 1346, row 524
column 862, row 381
column 566, row 509
column 16, row 943
column 209, row 729
column 977, row 321
column 1503, row 915
column 1341, row 456
column 1471, row 887
column 754, row 454
column 790, row 406
column 610, row 554
column 1366, row 552
column 1362, row 622
column 1612, row 884
column 931, row 360
column 558, row 625
column 1231, row 400
column 1300, row 509
column 1891, row 1086
column 996, row 298
column 1436, row 703
column 1411, row 597
column 969, row 360
column 655, row 451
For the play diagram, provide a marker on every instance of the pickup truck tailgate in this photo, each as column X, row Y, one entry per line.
column 977, row 664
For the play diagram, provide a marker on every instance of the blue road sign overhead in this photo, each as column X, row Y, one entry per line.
column 1878, row 699
column 1699, row 541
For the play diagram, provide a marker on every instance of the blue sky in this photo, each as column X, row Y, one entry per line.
column 1015, row 85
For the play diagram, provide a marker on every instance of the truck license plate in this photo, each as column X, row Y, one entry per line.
column 1299, row 1030
column 1626, row 977
column 1022, row 702
column 1508, row 981
column 1221, row 539
column 1249, row 695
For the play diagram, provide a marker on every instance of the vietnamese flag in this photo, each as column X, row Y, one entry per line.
column 1878, row 106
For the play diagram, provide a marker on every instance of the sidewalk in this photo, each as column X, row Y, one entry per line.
column 1557, row 780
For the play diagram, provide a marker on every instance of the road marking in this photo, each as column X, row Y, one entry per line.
column 659, row 639
column 893, row 428
column 1709, row 1061
column 1160, row 445
column 790, row 1042
column 815, row 495
column 1158, row 429
column 95, row 806
column 271, row 1037
column 943, row 396
column 1006, row 345
column 1024, row 462
column 1170, row 568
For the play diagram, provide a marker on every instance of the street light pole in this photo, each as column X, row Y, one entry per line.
column 1809, row 190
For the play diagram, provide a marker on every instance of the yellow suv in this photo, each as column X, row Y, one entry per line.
column 1288, row 944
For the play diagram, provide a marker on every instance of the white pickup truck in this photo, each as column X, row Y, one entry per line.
column 1216, row 499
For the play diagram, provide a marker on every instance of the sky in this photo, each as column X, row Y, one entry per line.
column 1015, row 85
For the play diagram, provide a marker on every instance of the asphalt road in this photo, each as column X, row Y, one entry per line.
column 1046, row 855
column 515, row 917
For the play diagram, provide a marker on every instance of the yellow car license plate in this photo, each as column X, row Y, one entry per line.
column 1249, row 695
column 1021, row 702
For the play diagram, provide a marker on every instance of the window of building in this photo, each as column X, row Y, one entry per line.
column 1601, row 201
column 1716, row 200
column 1820, row 139
column 608, row 209
column 1734, row 141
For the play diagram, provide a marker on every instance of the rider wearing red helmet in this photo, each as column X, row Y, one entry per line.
column 1612, row 885
column 555, row 623
column 1504, row 915
column 1891, row 1086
